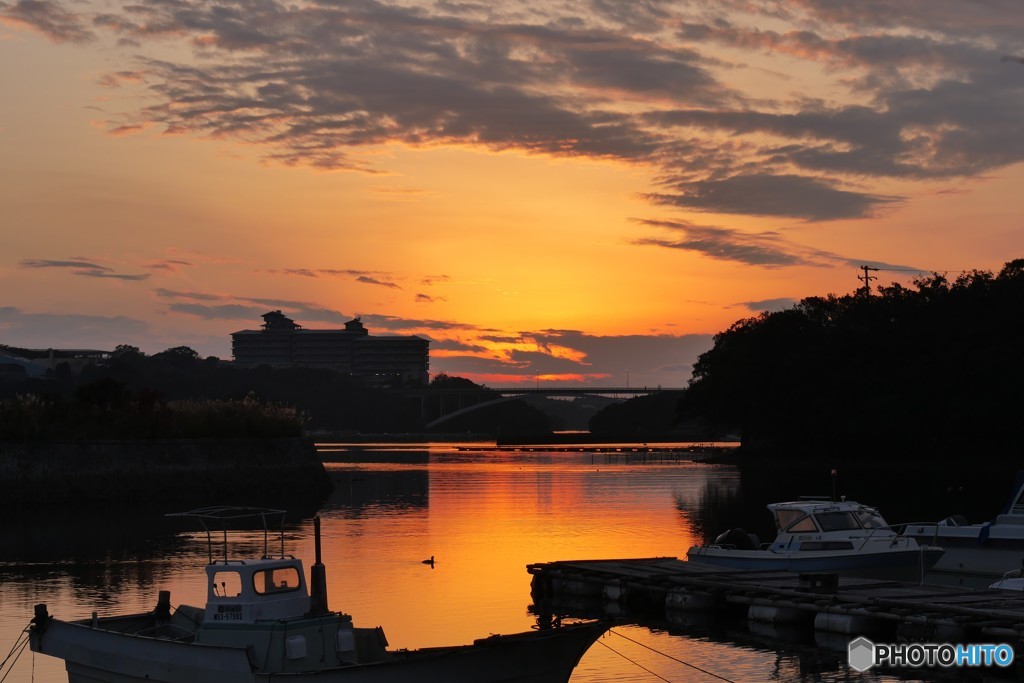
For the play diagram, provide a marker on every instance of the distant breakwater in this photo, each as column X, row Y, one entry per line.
column 168, row 472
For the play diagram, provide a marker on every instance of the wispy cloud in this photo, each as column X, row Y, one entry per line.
column 770, row 305
column 168, row 265
column 767, row 249
column 83, row 268
column 368, row 280
column 367, row 277
column 215, row 306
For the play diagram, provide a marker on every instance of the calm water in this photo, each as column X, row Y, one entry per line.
column 483, row 515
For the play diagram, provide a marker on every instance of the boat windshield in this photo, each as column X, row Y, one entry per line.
column 871, row 519
column 794, row 521
column 838, row 521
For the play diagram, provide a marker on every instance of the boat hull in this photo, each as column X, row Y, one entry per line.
column 908, row 564
column 94, row 655
column 990, row 550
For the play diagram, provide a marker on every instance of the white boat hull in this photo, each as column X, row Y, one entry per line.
column 907, row 564
column 93, row 655
column 984, row 549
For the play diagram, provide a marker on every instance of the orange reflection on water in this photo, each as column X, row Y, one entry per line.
column 484, row 522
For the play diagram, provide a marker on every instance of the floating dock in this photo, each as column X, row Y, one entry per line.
column 613, row 452
column 671, row 590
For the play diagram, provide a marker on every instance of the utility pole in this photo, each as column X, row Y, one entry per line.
column 867, row 278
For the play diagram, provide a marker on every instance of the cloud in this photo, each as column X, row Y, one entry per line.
column 767, row 249
column 558, row 356
column 212, row 306
column 396, row 324
column 119, row 78
column 168, row 265
column 639, row 360
column 859, row 92
column 75, row 264
column 760, row 194
column 67, row 330
column 367, row 280
column 49, row 18
column 770, row 305
column 83, row 268
column 363, row 276
column 218, row 311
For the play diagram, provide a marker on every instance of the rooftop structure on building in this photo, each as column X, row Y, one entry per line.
column 353, row 350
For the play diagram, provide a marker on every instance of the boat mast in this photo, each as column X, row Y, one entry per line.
column 317, row 577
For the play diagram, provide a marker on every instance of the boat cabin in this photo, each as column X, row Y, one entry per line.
column 817, row 516
column 814, row 520
column 246, row 591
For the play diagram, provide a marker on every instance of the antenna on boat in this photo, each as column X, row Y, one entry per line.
column 835, row 473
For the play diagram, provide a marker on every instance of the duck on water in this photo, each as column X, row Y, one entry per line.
column 817, row 534
column 261, row 623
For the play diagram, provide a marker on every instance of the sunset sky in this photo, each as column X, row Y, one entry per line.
column 549, row 191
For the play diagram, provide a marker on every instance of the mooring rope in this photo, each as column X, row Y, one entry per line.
column 634, row 662
column 19, row 646
column 665, row 654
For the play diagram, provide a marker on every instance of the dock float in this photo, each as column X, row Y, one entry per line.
column 672, row 590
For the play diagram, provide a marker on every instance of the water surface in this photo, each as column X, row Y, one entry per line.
column 482, row 515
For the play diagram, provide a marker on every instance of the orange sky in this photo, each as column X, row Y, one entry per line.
column 547, row 191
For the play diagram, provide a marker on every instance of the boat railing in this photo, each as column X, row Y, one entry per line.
column 227, row 515
column 897, row 529
column 904, row 526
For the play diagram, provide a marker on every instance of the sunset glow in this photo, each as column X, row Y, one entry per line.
column 550, row 192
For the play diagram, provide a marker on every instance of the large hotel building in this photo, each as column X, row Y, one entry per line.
column 352, row 350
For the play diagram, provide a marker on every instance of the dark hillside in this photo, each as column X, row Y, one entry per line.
column 931, row 371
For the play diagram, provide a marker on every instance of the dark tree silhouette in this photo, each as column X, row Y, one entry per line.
column 930, row 369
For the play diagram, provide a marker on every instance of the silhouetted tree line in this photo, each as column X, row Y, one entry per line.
column 654, row 415
column 104, row 410
column 935, row 368
column 130, row 383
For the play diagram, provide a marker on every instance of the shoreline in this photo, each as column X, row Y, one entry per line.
column 235, row 471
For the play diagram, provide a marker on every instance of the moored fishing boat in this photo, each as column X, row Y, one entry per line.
column 262, row 622
column 821, row 535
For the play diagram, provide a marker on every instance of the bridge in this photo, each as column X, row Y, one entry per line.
column 580, row 391
column 450, row 403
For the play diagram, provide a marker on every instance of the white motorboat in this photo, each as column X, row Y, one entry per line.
column 819, row 535
column 261, row 623
column 987, row 548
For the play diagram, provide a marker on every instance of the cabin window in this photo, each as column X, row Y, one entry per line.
column 277, row 580
column 794, row 521
column 804, row 525
column 227, row 584
column 838, row 521
column 871, row 519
